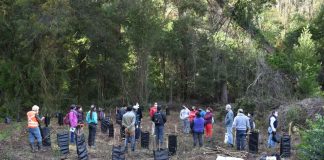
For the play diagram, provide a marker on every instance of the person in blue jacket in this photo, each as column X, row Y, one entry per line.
column 92, row 120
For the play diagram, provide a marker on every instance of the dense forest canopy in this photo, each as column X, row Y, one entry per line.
column 111, row 52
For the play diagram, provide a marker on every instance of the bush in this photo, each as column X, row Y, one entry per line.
column 312, row 146
column 296, row 115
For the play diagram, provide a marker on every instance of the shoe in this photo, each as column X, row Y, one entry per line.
column 32, row 146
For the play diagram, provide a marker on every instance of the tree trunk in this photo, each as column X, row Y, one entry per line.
column 224, row 94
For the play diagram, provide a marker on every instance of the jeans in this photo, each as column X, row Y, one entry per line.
column 230, row 135
column 35, row 133
column 159, row 134
column 240, row 139
column 186, row 126
column 72, row 133
column 271, row 143
column 198, row 137
column 92, row 134
column 130, row 138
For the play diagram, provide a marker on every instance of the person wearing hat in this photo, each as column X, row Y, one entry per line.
column 184, row 116
column 128, row 122
column 92, row 120
column 208, row 123
column 228, row 123
column 241, row 124
column 33, row 119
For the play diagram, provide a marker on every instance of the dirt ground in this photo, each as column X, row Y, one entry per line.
column 15, row 146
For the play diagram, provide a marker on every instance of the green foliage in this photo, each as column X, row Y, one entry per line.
column 312, row 146
column 294, row 115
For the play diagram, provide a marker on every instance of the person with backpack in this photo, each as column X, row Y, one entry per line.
column 229, row 118
column 197, row 127
column 92, row 120
column 73, row 121
column 33, row 120
column 251, row 120
column 101, row 114
column 119, row 117
column 241, row 124
column 159, row 119
column 209, row 123
column 184, row 116
column 272, row 129
column 128, row 121
column 153, row 109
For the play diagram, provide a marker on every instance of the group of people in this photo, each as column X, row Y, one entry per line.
column 195, row 121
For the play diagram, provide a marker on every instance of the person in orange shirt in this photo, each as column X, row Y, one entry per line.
column 192, row 113
column 33, row 128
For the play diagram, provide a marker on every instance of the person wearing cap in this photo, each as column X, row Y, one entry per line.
column 153, row 109
column 241, row 124
column 228, row 124
column 73, row 119
column 138, row 113
column 184, row 116
column 33, row 119
column 159, row 119
column 128, row 122
column 92, row 120
column 208, row 123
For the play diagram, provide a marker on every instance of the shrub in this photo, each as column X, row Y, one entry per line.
column 312, row 146
column 296, row 115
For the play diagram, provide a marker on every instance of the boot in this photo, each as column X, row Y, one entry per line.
column 40, row 147
column 32, row 146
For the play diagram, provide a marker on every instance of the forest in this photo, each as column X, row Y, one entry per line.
column 258, row 55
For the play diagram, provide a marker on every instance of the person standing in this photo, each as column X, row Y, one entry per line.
column 138, row 114
column 33, row 119
column 228, row 123
column 128, row 121
column 159, row 120
column 272, row 129
column 208, row 123
column 251, row 121
column 241, row 124
column 184, row 116
column 80, row 125
column 119, row 116
column 92, row 120
column 73, row 119
column 197, row 126
column 153, row 109
column 192, row 114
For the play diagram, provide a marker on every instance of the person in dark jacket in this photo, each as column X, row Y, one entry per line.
column 208, row 123
column 80, row 119
column 197, row 126
column 159, row 120
column 119, row 116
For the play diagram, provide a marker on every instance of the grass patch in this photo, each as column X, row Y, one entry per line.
column 9, row 129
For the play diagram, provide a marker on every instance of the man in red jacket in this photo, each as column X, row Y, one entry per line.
column 153, row 109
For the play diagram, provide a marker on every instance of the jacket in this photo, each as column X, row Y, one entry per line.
column 94, row 118
column 192, row 115
column 197, row 125
column 229, row 118
column 241, row 122
column 80, row 117
column 128, row 121
column 184, row 114
column 208, row 118
column 152, row 111
column 73, row 118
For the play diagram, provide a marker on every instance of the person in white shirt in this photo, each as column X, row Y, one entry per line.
column 272, row 129
column 184, row 116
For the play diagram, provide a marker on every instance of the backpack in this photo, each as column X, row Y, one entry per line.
column 158, row 119
column 66, row 119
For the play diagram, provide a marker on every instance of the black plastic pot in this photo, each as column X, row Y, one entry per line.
column 161, row 154
column 285, row 146
column 46, row 136
column 111, row 130
column 81, row 147
column 63, row 142
column 172, row 144
column 253, row 142
column 145, row 139
column 118, row 153
column 60, row 118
